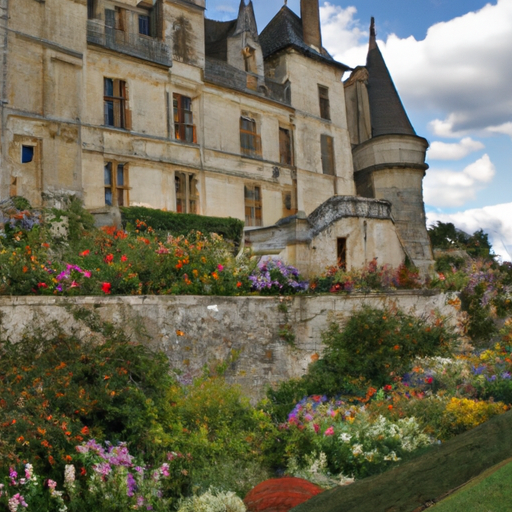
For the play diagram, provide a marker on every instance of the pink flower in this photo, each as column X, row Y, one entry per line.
column 74, row 284
column 329, row 431
column 87, row 273
column 220, row 267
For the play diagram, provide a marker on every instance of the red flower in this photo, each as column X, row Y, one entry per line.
column 429, row 380
column 85, row 431
column 238, row 284
column 85, row 253
column 106, row 288
column 109, row 258
column 388, row 387
column 42, row 285
column 124, row 258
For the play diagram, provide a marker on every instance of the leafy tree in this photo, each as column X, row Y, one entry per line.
column 447, row 236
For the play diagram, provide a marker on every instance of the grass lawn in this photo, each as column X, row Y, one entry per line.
column 490, row 492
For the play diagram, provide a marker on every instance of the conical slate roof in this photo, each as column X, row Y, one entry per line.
column 246, row 20
column 285, row 30
column 387, row 113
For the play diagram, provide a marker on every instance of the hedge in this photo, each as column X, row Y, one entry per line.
column 184, row 223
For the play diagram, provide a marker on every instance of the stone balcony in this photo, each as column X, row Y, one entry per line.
column 133, row 44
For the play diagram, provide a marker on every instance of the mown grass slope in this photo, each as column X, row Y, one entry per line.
column 425, row 479
column 489, row 492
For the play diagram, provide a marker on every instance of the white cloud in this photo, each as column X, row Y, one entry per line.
column 444, row 188
column 444, row 151
column 341, row 30
column 505, row 128
column 462, row 67
column 494, row 220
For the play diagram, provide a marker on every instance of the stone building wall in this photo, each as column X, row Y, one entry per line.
column 265, row 339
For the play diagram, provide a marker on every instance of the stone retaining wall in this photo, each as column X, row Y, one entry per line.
column 263, row 339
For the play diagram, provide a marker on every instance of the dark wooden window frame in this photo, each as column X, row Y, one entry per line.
column 323, row 99
column 117, row 186
column 285, row 146
column 253, row 205
column 115, row 103
column 250, row 139
column 184, row 127
column 327, row 151
column 187, row 197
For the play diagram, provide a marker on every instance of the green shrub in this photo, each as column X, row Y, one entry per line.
column 182, row 224
column 57, row 391
column 378, row 345
column 373, row 349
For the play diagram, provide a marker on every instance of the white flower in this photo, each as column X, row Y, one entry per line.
column 392, row 456
column 357, row 449
column 69, row 475
column 345, row 480
column 345, row 437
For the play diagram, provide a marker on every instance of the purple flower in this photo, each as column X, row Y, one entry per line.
column 131, row 484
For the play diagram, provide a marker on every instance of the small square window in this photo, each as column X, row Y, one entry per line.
column 27, row 154
column 143, row 25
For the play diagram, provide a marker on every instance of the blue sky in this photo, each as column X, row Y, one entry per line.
column 451, row 61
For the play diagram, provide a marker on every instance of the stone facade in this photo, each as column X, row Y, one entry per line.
column 147, row 102
column 264, row 339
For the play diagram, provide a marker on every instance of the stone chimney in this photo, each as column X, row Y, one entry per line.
column 310, row 14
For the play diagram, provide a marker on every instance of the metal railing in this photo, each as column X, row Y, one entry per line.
column 135, row 45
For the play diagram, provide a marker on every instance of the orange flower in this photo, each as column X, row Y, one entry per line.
column 20, row 439
column 238, row 284
column 51, row 460
column 68, row 458
column 42, row 431
column 25, row 269
column 396, row 347
column 215, row 275
column 180, row 333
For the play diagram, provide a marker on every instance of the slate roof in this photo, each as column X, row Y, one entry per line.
column 216, row 35
column 387, row 113
column 285, row 31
